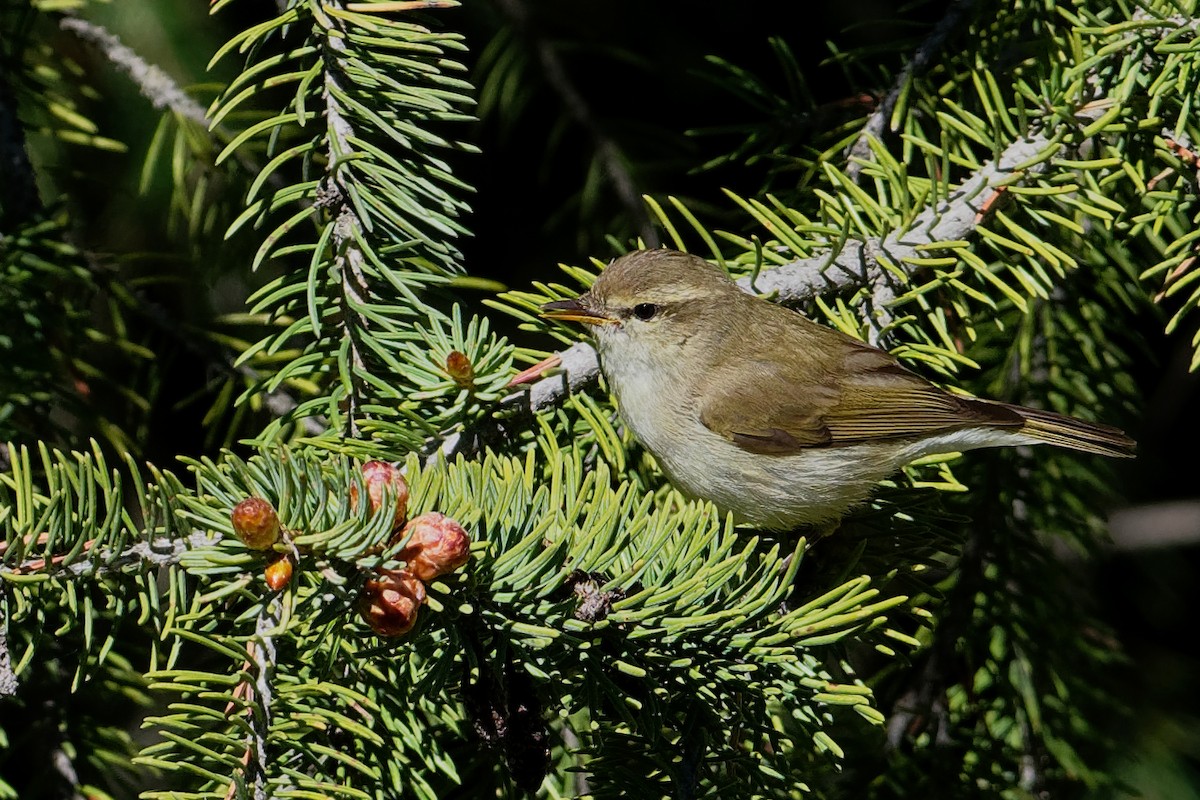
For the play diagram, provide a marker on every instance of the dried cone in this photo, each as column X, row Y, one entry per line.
column 436, row 545
column 460, row 368
column 389, row 603
column 255, row 523
column 376, row 476
column 278, row 573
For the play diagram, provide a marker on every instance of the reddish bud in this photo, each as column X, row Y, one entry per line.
column 255, row 523
column 460, row 368
column 389, row 602
column 376, row 476
column 436, row 545
column 278, row 573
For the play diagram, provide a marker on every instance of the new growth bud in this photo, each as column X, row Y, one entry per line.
column 278, row 573
column 460, row 368
column 436, row 545
column 255, row 523
column 377, row 475
column 389, row 603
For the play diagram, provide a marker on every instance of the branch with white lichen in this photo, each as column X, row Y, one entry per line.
column 262, row 661
column 859, row 153
column 8, row 679
column 161, row 551
column 155, row 85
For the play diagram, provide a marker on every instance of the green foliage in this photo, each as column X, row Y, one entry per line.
column 368, row 222
column 608, row 636
column 699, row 618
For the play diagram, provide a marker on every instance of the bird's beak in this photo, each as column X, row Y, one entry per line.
column 576, row 310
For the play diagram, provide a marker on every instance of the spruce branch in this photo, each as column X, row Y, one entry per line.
column 857, row 264
column 348, row 256
column 860, row 151
column 155, row 85
column 161, row 551
column 262, row 654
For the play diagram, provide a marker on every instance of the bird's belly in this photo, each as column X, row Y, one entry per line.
column 776, row 491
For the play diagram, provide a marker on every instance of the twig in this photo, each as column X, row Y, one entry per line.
column 40, row 563
column 161, row 551
column 606, row 149
column 155, row 85
column 66, row 770
column 952, row 219
column 1156, row 526
column 8, row 678
column 262, row 653
column 348, row 257
column 860, row 152
column 1181, row 151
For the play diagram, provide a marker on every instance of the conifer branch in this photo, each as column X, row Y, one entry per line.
column 348, row 257
column 155, row 85
column 162, row 551
column 860, row 151
column 856, row 263
column 262, row 654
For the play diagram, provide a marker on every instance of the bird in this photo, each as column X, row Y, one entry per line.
column 772, row 417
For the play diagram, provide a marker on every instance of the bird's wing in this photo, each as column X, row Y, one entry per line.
column 765, row 408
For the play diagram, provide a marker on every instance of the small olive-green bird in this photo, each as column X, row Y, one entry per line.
column 769, row 415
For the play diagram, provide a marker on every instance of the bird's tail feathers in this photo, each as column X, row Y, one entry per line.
column 1076, row 434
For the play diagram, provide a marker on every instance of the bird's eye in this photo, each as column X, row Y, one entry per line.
column 645, row 311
